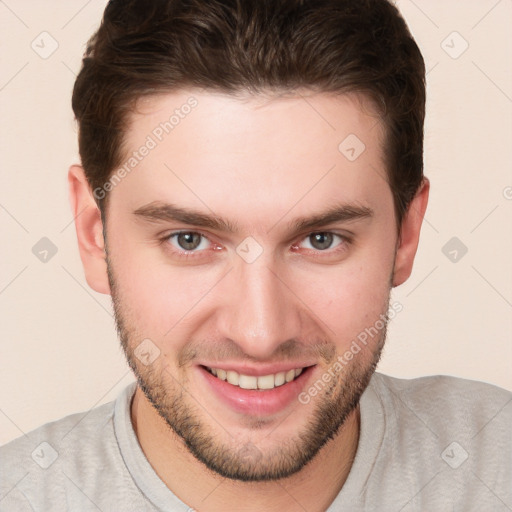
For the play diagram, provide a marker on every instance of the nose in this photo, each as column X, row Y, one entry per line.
column 259, row 311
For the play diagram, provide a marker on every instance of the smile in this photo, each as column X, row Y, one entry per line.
column 262, row 382
column 263, row 394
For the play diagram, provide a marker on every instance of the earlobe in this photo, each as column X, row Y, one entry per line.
column 410, row 234
column 89, row 230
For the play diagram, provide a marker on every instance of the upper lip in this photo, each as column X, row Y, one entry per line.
column 258, row 371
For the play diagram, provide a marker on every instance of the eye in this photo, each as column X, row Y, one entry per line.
column 189, row 241
column 321, row 241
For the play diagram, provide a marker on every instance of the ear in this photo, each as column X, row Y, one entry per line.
column 89, row 230
column 410, row 234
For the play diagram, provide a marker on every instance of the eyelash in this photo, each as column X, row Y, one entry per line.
column 345, row 241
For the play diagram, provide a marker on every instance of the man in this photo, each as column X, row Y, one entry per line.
column 251, row 188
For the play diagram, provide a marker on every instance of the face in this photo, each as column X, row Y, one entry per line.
column 246, row 244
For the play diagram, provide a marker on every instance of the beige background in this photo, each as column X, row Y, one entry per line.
column 59, row 351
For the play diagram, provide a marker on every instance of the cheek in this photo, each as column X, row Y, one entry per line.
column 350, row 298
column 157, row 298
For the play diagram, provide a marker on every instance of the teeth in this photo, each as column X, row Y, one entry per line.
column 279, row 379
column 232, row 378
column 266, row 382
column 252, row 382
column 248, row 382
column 290, row 375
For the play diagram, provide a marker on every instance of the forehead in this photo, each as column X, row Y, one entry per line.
column 304, row 113
column 257, row 151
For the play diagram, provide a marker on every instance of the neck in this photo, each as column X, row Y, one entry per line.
column 313, row 488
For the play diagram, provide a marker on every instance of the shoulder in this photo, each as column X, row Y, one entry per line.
column 441, row 433
column 57, row 456
column 452, row 395
column 475, row 415
column 439, row 384
column 57, row 434
column 442, row 400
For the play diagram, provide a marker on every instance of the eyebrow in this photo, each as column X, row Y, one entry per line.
column 339, row 213
column 166, row 212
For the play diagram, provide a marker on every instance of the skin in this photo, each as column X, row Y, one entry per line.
column 261, row 163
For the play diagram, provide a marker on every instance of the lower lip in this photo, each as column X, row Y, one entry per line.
column 253, row 401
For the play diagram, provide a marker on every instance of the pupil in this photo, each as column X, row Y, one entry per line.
column 321, row 240
column 189, row 241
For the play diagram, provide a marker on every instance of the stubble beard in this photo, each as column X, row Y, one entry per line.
column 246, row 462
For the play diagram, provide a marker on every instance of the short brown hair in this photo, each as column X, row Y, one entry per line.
column 146, row 47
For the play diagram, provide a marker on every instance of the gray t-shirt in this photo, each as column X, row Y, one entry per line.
column 432, row 444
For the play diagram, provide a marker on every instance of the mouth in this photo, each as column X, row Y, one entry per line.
column 256, row 395
column 261, row 382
